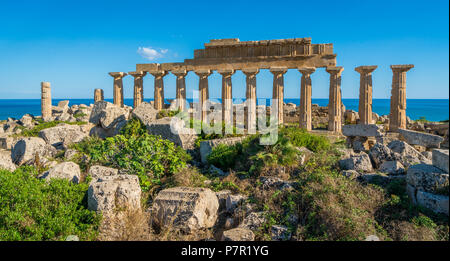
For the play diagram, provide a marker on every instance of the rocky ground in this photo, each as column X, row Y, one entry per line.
column 149, row 183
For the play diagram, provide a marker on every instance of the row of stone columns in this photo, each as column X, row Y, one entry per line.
column 398, row 94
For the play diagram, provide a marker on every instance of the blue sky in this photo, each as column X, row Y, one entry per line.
column 74, row 44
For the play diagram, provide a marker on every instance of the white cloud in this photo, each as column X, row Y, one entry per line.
column 150, row 53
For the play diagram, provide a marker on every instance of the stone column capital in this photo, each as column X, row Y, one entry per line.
column 366, row 69
column 226, row 72
column 158, row 73
column 137, row 74
column 250, row 71
column 401, row 67
column 118, row 74
column 278, row 70
column 179, row 73
column 306, row 70
column 203, row 73
column 335, row 70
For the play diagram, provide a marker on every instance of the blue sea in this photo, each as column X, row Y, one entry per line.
column 431, row 109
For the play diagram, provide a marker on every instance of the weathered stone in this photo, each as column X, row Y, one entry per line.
column 27, row 149
column 7, row 142
column 436, row 203
column 280, row 233
column 275, row 182
column 407, row 154
column 233, row 201
column 70, row 153
column 374, row 178
column 107, row 114
column 27, row 121
column 62, row 135
column 393, row 167
column 351, row 174
column 427, row 178
column 278, row 91
column 173, row 129
column 359, row 162
column 6, row 161
column 421, row 138
column 440, row 159
column 305, row 155
column 114, row 193
column 188, row 209
column 238, row 234
column 362, row 130
column 351, row 117
column 372, row 238
column 253, row 221
column 66, row 170
column 98, row 171
column 380, row 153
column 427, row 154
column 222, row 198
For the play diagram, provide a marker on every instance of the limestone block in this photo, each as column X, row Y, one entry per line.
column 421, row 138
column 66, row 170
column 427, row 178
column 407, row 154
column 440, row 159
column 98, row 171
column 6, row 161
column 393, row 167
column 173, row 129
column 62, row 135
column 109, row 194
column 188, row 209
column 363, row 130
column 145, row 112
column 27, row 149
column 280, row 233
column 359, row 162
column 108, row 115
column 238, row 234
column 437, row 203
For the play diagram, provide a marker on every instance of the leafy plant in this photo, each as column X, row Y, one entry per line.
column 33, row 209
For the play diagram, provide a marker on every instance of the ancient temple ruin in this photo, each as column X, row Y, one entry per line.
column 226, row 56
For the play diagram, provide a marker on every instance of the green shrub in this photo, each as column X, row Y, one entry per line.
column 224, row 156
column 33, row 209
column 301, row 138
column 79, row 115
column 135, row 151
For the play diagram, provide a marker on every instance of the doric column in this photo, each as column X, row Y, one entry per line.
column 46, row 101
column 278, row 89
column 159, row 89
column 98, row 95
column 138, row 93
column 335, row 99
column 305, row 97
column 227, row 96
column 181, row 88
column 118, row 87
column 203, row 89
column 365, row 93
column 250, row 95
column 397, row 116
